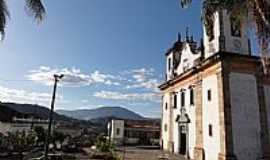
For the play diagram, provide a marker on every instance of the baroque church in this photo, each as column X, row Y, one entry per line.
column 216, row 97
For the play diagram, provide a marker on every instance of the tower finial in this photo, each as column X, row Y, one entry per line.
column 187, row 34
column 179, row 38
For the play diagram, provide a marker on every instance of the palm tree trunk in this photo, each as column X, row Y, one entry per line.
column 259, row 9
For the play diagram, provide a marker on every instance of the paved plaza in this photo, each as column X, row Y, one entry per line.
column 146, row 153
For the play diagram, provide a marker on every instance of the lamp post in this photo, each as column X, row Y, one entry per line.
column 56, row 80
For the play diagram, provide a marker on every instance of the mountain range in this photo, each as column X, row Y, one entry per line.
column 100, row 113
column 29, row 110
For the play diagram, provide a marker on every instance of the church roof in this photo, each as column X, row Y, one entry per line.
column 208, row 62
column 177, row 46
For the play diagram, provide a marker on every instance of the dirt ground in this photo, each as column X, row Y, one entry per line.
column 146, row 153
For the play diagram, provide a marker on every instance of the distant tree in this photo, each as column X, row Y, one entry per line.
column 41, row 134
column 257, row 11
column 103, row 145
column 2, row 141
column 20, row 141
column 31, row 138
column 34, row 8
column 58, row 137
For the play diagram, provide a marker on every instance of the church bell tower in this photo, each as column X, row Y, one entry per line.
column 226, row 34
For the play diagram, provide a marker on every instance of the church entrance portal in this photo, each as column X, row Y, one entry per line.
column 183, row 139
column 183, row 133
column 183, row 143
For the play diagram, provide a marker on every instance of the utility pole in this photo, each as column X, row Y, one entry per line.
column 56, row 80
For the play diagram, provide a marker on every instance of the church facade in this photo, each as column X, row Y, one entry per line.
column 216, row 97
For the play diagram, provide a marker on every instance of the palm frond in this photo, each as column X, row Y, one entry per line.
column 4, row 14
column 257, row 11
column 36, row 9
column 185, row 3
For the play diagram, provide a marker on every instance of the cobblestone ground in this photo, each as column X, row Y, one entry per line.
column 146, row 153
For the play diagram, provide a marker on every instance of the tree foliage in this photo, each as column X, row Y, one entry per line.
column 34, row 8
column 40, row 133
column 20, row 140
column 58, row 137
column 103, row 145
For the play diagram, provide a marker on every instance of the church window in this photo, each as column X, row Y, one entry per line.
column 182, row 99
column 210, row 129
column 209, row 26
column 235, row 26
column 169, row 64
column 117, row 131
column 175, row 101
column 165, row 128
column 209, row 95
column 191, row 96
column 166, row 106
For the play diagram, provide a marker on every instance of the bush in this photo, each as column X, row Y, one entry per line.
column 103, row 145
column 105, row 149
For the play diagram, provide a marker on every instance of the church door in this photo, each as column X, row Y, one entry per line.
column 183, row 144
column 183, row 140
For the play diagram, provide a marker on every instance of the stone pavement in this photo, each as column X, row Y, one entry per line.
column 146, row 153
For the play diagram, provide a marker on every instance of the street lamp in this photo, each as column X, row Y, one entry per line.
column 57, row 78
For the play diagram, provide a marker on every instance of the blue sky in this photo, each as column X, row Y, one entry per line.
column 111, row 51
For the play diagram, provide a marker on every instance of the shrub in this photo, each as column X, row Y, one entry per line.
column 103, row 145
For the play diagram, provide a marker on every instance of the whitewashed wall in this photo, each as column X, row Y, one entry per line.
column 267, row 100
column 229, row 40
column 165, row 120
column 211, row 145
column 212, row 47
column 191, row 129
column 187, row 58
column 176, row 126
column 245, row 116
column 117, row 124
column 190, row 110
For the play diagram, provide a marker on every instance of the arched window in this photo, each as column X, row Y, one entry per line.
column 175, row 101
column 191, row 94
column 235, row 26
column 182, row 99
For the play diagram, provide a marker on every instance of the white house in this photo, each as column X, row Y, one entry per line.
column 21, row 124
column 216, row 98
column 134, row 132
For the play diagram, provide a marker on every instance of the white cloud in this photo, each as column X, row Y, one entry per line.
column 143, row 78
column 142, row 74
column 154, row 97
column 85, row 101
column 72, row 77
column 151, row 84
column 23, row 96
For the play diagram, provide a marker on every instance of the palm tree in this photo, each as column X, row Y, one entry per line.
column 258, row 12
column 34, row 7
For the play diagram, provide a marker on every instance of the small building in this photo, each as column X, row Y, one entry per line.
column 134, row 132
column 21, row 124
